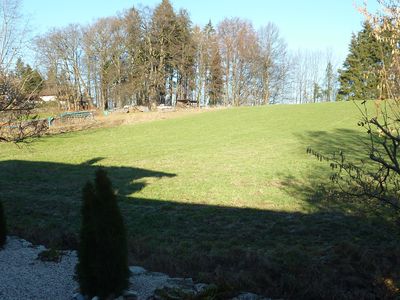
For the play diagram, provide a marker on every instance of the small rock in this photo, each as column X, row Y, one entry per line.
column 181, row 282
column 200, row 287
column 176, row 288
column 136, row 270
column 41, row 248
column 25, row 244
column 172, row 293
column 78, row 296
column 95, row 298
column 130, row 295
column 143, row 108
column 207, row 291
column 250, row 296
column 157, row 274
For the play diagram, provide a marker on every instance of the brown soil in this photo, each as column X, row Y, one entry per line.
column 122, row 118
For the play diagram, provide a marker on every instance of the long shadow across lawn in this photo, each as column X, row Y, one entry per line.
column 315, row 187
column 323, row 255
column 43, row 198
column 352, row 239
column 349, row 140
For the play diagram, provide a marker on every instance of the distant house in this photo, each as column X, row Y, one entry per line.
column 48, row 95
column 48, row 98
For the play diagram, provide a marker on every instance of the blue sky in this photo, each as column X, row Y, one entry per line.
column 305, row 24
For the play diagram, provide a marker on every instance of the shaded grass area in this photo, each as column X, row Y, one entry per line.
column 45, row 197
column 280, row 254
column 228, row 197
column 322, row 194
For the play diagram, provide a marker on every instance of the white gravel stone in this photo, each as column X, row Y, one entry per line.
column 147, row 283
column 22, row 276
column 136, row 270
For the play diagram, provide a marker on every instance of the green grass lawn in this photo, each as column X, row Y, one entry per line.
column 226, row 196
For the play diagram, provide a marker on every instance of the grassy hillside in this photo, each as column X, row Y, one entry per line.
column 227, row 196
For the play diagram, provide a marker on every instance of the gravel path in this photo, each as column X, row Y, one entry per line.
column 23, row 276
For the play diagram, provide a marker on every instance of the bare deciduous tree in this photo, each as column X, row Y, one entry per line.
column 273, row 64
column 12, row 33
column 239, row 50
column 155, row 56
column 61, row 52
column 17, row 122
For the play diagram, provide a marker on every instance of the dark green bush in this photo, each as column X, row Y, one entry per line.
column 51, row 254
column 102, row 269
column 3, row 227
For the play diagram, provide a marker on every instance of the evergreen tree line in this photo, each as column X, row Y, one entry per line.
column 365, row 67
column 157, row 56
column 31, row 82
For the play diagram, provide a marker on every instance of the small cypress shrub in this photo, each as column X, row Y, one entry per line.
column 3, row 227
column 102, row 269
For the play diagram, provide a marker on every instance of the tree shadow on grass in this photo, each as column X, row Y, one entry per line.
column 316, row 187
column 323, row 197
column 350, row 141
column 324, row 254
column 46, row 196
column 320, row 255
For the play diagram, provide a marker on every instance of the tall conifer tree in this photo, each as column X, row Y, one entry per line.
column 359, row 77
column 103, row 256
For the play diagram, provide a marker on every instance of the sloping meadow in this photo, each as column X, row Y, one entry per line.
column 227, row 196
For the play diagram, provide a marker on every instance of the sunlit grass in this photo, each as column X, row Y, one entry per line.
column 208, row 196
column 235, row 157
